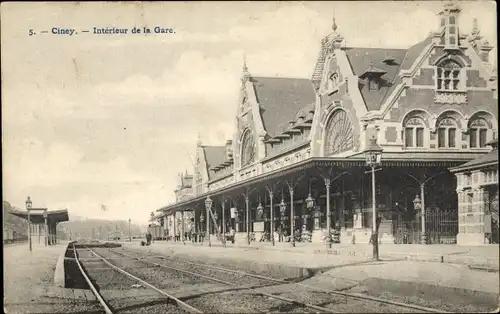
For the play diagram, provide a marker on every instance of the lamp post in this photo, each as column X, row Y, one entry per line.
column 202, row 219
column 422, row 201
column 28, row 208
column 129, row 231
column 208, row 206
column 373, row 158
column 46, row 227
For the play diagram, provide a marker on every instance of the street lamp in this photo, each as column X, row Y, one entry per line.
column 417, row 203
column 208, row 206
column 28, row 208
column 282, row 207
column 373, row 158
column 129, row 232
column 45, row 223
column 260, row 210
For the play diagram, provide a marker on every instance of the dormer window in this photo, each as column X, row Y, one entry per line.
column 372, row 74
column 333, row 82
column 448, row 76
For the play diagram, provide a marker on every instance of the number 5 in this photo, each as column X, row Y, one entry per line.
column 31, row 33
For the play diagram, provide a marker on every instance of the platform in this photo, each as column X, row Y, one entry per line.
column 29, row 281
column 348, row 269
column 477, row 256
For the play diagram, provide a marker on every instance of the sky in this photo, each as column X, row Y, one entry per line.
column 91, row 120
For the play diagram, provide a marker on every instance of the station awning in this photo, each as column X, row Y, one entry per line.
column 390, row 160
column 36, row 215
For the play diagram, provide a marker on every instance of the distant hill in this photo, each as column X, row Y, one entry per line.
column 97, row 228
column 11, row 222
column 77, row 226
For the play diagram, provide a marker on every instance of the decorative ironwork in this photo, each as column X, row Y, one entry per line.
column 450, row 98
column 479, row 122
column 247, row 149
column 447, row 122
column 414, row 122
column 339, row 133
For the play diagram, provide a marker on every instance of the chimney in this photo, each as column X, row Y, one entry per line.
column 229, row 149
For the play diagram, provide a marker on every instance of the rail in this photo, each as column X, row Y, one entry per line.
column 90, row 284
column 178, row 302
column 332, row 292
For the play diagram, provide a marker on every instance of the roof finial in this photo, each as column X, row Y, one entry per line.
column 246, row 74
column 334, row 24
column 198, row 143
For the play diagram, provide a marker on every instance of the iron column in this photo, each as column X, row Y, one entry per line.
column 272, row 215
column 422, row 196
column 328, row 215
column 292, row 218
column 247, row 221
column 374, row 218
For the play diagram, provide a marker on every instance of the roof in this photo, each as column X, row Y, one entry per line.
column 413, row 52
column 37, row 217
column 281, row 99
column 214, row 155
column 362, row 59
column 488, row 159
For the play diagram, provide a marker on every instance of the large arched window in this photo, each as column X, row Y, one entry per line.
column 448, row 76
column 339, row 133
column 247, row 149
column 414, row 132
column 447, row 133
column 478, row 133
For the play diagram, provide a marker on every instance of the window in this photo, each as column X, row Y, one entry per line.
column 447, row 133
column 247, row 149
column 478, row 131
column 448, row 76
column 414, row 133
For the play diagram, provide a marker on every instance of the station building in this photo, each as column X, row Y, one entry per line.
column 296, row 160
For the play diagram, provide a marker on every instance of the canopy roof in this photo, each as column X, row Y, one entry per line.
column 36, row 215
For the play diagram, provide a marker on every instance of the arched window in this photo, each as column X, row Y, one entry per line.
column 447, row 133
column 478, row 133
column 339, row 133
column 448, row 76
column 247, row 149
column 414, row 133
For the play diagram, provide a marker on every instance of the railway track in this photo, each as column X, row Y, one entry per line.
column 206, row 299
column 111, row 285
column 297, row 293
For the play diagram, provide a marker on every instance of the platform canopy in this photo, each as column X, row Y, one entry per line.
column 36, row 215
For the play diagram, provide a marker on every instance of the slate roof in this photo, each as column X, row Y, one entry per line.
column 487, row 159
column 361, row 59
column 281, row 99
column 214, row 155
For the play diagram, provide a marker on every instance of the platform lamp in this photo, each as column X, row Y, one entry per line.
column 282, row 208
column 417, row 204
column 208, row 206
column 310, row 205
column 309, row 199
column 373, row 159
column 129, row 231
column 29, row 205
